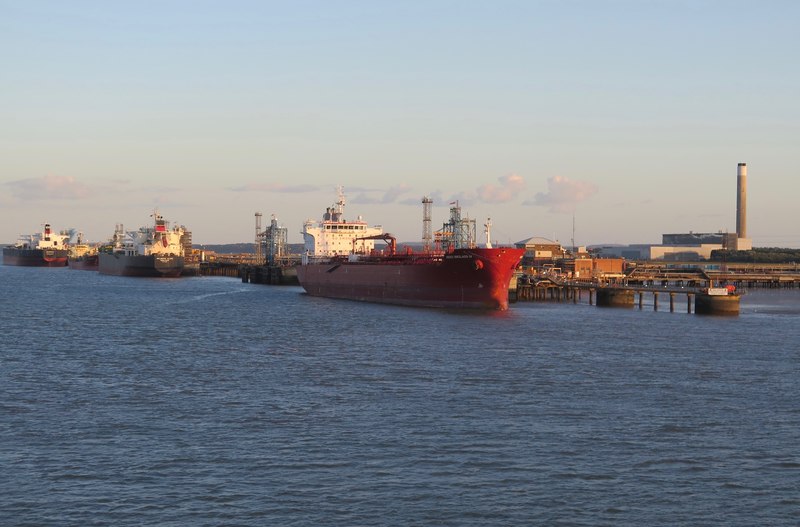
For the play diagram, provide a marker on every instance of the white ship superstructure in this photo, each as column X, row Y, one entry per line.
column 46, row 239
column 335, row 236
column 156, row 240
column 43, row 249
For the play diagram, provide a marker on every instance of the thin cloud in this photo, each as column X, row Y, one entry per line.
column 48, row 187
column 392, row 195
column 274, row 187
column 365, row 199
column 464, row 199
column 509, row 188
column 436, row 197
column 563, row 194
column 506, row 189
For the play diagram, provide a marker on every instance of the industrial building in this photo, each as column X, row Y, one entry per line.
column 544, row 255
column 540, row 248
column 694, row 245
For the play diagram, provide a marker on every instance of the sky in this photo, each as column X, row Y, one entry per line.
column 613, row 120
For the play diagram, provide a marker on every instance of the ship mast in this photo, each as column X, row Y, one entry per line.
column 488, row 230
column 339, row 211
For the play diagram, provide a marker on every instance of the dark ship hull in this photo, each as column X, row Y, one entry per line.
column 156, row 266
column 87, row 262
column 35, row 257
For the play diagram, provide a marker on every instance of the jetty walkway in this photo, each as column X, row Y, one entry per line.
column 708, row 287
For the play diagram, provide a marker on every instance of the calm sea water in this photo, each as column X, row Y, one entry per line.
column 205, row 401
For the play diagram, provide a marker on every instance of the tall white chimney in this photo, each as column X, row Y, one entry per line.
column 741, row 201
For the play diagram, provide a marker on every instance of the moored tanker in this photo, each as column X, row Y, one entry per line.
column 340, row 261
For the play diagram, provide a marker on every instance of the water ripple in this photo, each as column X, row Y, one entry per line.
column 212, row 402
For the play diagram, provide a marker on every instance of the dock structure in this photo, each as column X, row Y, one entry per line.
column 229, row 269
column 740, row 275
column 705, row 300
column 690, row 274
column 268, row 274
column 251, row 273
column 665, row 282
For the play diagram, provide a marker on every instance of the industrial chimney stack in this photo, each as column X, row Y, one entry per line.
column 741, row 201
column 743, row 243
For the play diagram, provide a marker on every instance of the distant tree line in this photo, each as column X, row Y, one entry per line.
column 243, row 248
column 757, row 255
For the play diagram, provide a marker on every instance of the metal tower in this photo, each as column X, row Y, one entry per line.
column 427, row 234
column 275, row 242
column 458, row 233
column 259, row 253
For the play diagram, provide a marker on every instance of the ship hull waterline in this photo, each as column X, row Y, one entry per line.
column 464, row 279
column 84, row 263
column 153, row 266
column 35, row 257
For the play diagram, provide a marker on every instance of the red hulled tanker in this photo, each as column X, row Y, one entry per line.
column 340, row 261
column 463, row 278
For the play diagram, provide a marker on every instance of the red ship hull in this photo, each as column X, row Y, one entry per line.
column 464, row 278
column 35, row 257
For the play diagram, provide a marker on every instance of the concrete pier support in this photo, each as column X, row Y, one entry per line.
column 615, row 297
column 689, row 303
column 655, row 301
column 672, row 302
column 641, row 299
column 705, row 304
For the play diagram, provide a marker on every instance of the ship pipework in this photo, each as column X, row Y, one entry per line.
column 390, row 240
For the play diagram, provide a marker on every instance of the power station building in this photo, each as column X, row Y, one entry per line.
column 695, row 245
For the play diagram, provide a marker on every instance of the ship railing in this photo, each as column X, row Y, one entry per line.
column 315, row 259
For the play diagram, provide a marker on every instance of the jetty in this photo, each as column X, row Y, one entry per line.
column 703, row 287
column 250, row 271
